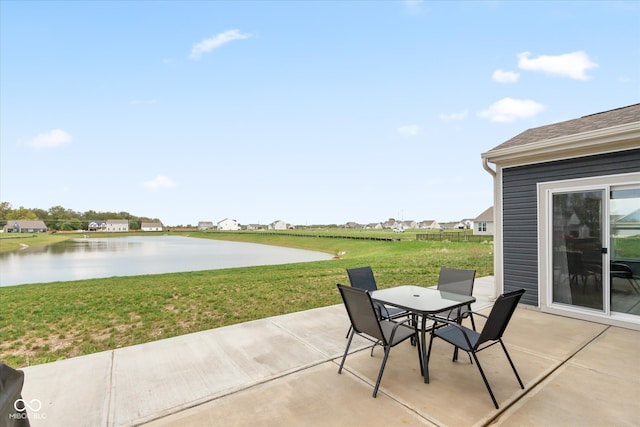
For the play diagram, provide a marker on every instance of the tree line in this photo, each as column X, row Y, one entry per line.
column 60, row 218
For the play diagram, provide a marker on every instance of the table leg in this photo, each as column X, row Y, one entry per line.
column 459, row 321
column 423, row 344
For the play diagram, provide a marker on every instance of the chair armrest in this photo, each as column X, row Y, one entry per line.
column 455, row 325
column 475, row 313
column 397, row 325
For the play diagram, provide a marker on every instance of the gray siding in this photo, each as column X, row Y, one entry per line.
column 520, row 223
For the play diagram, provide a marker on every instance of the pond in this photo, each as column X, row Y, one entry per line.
column 78, row 259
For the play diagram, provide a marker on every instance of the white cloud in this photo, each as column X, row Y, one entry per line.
column 410, row 130
column 160, row 182
column 454, row 116
column 502, row 76
column 413, row 6
column 53, row 138
column 509, row 110
column 573, row 65
column 207, row 45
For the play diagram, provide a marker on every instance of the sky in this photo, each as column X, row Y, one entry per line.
column 309, row 112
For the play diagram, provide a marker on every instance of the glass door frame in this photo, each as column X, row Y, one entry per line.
column 546, row 190
column 576, row 246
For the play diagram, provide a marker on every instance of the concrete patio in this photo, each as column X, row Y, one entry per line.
column 283, row 371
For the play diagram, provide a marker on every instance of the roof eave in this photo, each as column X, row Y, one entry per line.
column 607, row 140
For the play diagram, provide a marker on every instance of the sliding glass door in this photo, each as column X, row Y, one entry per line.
column 578, row 252
column 589, row 248
column 625, row 250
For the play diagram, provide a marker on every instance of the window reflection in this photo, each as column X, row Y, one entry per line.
column 577, row 246
column 625, row 250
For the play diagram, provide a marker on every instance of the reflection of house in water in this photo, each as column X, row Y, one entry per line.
column 628, row 225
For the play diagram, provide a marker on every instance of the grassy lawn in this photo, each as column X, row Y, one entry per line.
column 14, row 241
column 47, row 322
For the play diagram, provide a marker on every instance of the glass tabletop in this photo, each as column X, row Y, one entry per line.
column 421, row 299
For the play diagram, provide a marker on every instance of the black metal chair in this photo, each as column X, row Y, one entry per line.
column 472, row 342
column 363, row 278
column 621, row 270
column 457, row 281
column 366, row 323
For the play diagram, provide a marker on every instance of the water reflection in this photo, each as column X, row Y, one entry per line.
column 76, row 245
column 88, row 258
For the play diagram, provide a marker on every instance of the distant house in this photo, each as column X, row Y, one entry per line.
column 483, row 224
column 391, row 223
column 256, row 227
column 429, row 225
column 97, row 225
column 353, row 225
column 228, row 224
column 373, row 226
column 116, row 225
column 465, row 224
column 409, row 224
column 151, row 226
column 25, row 226
column 628, row 225
column 205, row 225
column 449, row 225
column 278, row 225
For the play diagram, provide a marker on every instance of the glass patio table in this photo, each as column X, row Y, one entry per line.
column 423, row 302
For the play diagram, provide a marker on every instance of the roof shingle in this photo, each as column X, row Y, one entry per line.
column 605, row 119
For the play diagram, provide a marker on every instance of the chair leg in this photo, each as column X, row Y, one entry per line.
column 384, row 362
column 417, row 345
column 459, row 322
column 512, row 365
column 374, row 346
column 484, row 378
column 414, row 323
column 428, row 352
column 455, row 355
column 349, row 331
column 346, row 350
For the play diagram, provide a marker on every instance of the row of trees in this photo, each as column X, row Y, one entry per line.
column 60, row 218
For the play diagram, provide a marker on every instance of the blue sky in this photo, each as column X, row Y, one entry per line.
column 308, row 112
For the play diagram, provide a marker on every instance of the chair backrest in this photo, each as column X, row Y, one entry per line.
column 500, row 315
column 362, row 278
column 456, row 281
column 361, row 311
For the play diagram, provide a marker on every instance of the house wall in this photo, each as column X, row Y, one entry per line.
column 489, row 228
column 117, row 226
column 279, row 225
column 519, row 210
column 228, row 225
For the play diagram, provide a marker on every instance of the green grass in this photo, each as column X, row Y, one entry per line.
column 14, row 241
column 627, row 247
column 47, row 322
